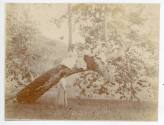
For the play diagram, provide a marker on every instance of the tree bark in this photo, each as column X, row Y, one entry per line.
column 43, row 83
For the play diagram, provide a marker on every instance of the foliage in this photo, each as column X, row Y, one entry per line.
column 126, row 56
column 122, row 65
column 19, row 55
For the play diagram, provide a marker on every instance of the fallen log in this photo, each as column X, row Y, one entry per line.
column 33, row 91
column 43, row 83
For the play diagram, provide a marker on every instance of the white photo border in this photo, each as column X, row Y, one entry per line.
column 2, row 65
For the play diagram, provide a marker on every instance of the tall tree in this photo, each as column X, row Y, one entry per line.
column 104, row 22
column 69, row 27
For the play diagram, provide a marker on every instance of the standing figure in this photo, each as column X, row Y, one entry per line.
column 62, row 94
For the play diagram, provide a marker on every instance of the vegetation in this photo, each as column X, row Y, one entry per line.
column 125, row 57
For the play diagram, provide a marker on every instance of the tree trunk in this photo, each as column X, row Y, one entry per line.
column 104, row 23
column 44, row 82
column 69, row 27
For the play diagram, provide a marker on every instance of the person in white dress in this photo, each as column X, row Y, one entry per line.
column 62, row 94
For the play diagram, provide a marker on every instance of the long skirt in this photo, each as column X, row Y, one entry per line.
column 60, row 96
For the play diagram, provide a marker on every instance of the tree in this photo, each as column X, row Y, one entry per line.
column 44, row 82
column 114, row 53
column 69, row 27
column 20, row 32
column 128, row 68
column 20, row 56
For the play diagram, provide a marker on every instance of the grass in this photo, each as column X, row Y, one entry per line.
column 84, row 109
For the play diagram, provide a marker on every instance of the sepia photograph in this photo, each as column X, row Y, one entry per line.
column 81, row 61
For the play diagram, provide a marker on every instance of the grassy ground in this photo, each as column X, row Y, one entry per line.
column 83, row 110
